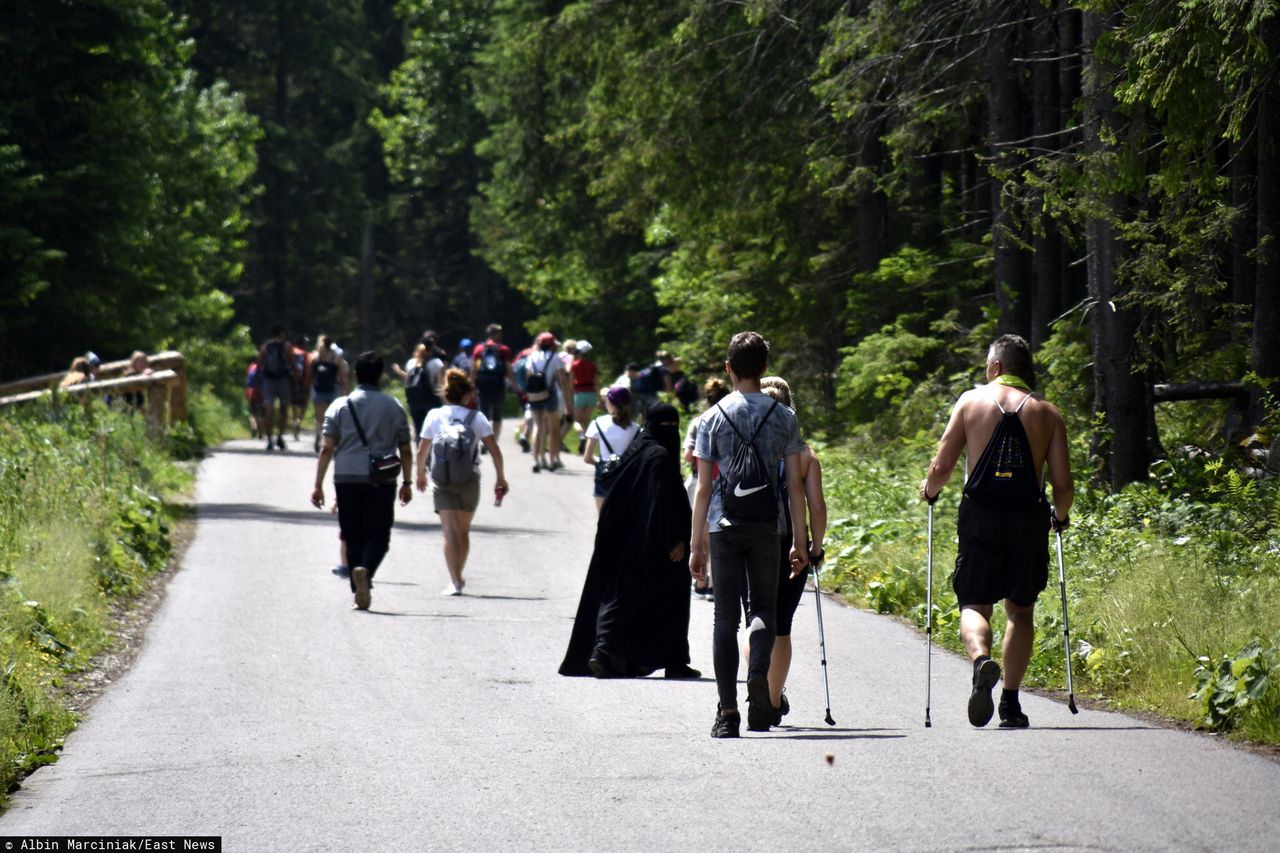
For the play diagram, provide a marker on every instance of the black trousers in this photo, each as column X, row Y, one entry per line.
column 365, row 514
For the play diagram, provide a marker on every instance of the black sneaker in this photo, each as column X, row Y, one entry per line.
column 342, row 572
column 681, row 671
column 524, row 444
column 986, row 673
column 781, row 711
column 270, row 446
column 759, row 708
column 280, row 441
column 1011, row 716
column 536, row 467
column 726, row 724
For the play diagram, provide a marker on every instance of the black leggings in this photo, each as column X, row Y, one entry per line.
column 743, row 560
column 790, row 591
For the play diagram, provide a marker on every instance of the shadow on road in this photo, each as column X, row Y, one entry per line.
column 302, row 451
column 504, row 597
column 813, row 733
column 418, row 615
column 1094, row 729
column 262, row 512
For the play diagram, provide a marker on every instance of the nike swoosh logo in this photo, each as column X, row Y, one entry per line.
column 739, row 493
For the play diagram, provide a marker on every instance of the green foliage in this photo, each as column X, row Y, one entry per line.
column 122, row 182
column 82, row 524
column 1236, row 687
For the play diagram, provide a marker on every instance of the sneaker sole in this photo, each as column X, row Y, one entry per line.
column 361, row 576
column 981, row 707
column 759, row 708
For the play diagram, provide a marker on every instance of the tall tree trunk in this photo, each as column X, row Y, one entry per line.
column 1120, row 393
column 366, row 284
column 1266, row 303
column 1004, row 110
column 1073, row 276
column 872, row 207
column 1046, row 299
column 1244, row 234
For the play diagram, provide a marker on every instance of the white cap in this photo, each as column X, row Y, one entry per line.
column 584, row 347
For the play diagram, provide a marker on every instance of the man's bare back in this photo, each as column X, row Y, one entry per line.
column 973, row 421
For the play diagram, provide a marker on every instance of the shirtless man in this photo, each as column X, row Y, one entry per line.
column 1008, row 435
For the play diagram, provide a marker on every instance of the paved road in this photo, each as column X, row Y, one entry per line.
column 264, row 710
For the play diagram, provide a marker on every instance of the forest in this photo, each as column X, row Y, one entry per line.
column 880, row 187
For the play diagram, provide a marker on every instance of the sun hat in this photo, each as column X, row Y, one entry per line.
column 584, row 347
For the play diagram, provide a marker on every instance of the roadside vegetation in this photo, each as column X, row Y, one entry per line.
column 88, row 500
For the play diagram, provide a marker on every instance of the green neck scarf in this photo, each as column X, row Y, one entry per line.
column 1011, row 380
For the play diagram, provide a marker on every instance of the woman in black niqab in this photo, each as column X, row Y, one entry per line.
column 633, row 616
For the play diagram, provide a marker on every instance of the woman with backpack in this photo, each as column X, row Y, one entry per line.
column 546, row 384
column 422, row 376
column 328, row 381
column 451, row 439
column 614, row 433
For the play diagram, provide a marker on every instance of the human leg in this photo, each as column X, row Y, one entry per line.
column 378, row 517
column 975, row 630
column 727, row 569
column 1019, row 637
column 790, row 591
column 351, row 509
column 457, row 543
column 320, row 408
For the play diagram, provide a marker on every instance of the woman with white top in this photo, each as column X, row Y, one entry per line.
column 611, row 435
column 456, row 503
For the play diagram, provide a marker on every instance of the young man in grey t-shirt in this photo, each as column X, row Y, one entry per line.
column 750, row 550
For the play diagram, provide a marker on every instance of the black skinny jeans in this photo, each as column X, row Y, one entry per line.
column 741, row 552
column 365, row 514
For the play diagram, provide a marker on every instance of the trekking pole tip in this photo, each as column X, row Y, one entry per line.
column 830, row 721
column 1071, row 703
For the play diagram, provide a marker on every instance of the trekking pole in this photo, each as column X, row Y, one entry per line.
column 822, row 640
column 928, row 621
column 1066, row 630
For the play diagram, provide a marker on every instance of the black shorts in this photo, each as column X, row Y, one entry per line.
column 490, row 403
column 1004, row 553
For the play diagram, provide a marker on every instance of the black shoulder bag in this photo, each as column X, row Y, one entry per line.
column 383, row 468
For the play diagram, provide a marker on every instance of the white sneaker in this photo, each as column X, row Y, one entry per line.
column 452, row 590
column 361, row 577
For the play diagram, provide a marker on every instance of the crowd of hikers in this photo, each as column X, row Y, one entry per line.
column 744, row 521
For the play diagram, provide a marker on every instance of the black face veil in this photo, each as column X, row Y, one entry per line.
column 663, row 423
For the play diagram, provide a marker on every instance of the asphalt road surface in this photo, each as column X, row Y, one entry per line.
column 264, row 710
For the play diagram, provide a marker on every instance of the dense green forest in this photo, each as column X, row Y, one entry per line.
column 880, row 187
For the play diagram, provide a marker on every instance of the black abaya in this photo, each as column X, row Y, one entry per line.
column 635, row 601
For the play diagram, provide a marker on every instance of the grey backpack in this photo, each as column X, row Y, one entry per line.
column 453, row 452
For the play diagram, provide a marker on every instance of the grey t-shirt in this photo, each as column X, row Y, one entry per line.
column 385, row 426
column 716, row 441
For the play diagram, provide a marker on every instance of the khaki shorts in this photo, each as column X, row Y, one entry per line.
column 464, row 497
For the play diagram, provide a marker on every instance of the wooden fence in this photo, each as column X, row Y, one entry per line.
column 165, row 387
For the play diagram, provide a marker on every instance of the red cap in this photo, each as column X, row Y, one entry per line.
column 545, row 338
